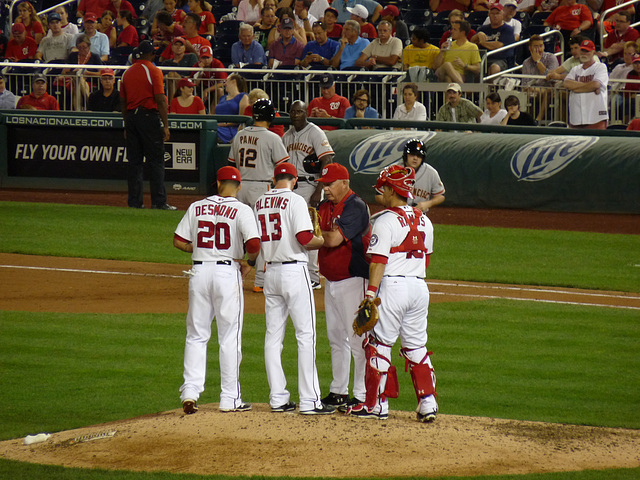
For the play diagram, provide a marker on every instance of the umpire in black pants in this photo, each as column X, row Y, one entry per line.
column 146, row 126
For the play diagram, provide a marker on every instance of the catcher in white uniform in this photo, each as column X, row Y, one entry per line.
column 216, row 231
column 304, row 139
column 400, row 248
column 255, row 151
column 286, row 233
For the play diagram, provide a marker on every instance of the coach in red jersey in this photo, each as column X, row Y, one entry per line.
column 346, row 231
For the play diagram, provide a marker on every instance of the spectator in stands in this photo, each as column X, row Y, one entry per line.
column 180, row 59
column 494, row 36
column 211, row 83
column 129, row 35
column 287, row 50
column 58, row 46
column 38, row 99
column 494, row 113
column 32, row 24
column 116, row 6
column 81, row 56
column 618, row 73
column 510, row 8
column 318, row 8
column 265, row 25
column 351, row 46
column 359, row 14
column 514, row 115
column 341, row 6
column 299, row 33
column 20, row 46
column 384, row 52
column 588, row 90
column 609, row 4
column 247, row 51
column 360, row 107
column 546, row 5
column 233, row 103
column 249, row 11
column 539, row 63
column 99, row 41
column 319, row 52
column 334, row 29
column 7, row 99
column 303, row 18
column 329, row 104
column 459, row 62
column 177, row 15
column 411, row 109
column 455, row 16
column 67, row 27
column 107, row 97
column 107, row 27
column 195, row 42
column 561, row 72
column 97, row 7
column 399, row 29
column 623, row 32
column 186, row 102
column 207, row 20
column 420, row 53
column 458, row 109
column 166, row 29
column 571, row 18
column 259, row 94
column 437, row 6
column 631, row 89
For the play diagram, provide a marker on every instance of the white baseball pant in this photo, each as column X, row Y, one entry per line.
column 249, row 194
column 305, row 190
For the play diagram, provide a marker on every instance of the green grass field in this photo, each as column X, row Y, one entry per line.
column 498, row 358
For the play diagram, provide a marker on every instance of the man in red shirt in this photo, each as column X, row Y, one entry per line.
column 622, row 33
column 195, row 42
column 20, row 47
column 329, row 104
column 146, row 126
column 38, row 99
column 571, row 18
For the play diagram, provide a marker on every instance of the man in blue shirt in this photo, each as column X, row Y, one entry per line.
column 496, row 35
column 99, row 41
column 247, row 50
column 318, row 53
column 360, row 106
column 351, row 46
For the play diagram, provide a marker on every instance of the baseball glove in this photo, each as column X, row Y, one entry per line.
column 366, row 316
column 315, row 220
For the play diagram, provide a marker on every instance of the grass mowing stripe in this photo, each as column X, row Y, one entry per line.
column 501, row 255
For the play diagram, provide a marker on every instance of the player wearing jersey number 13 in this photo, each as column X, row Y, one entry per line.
column 286, row 234
column 216, row 231
column 400, row 248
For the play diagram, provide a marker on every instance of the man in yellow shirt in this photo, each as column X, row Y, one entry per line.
column 420, row 53
column 460, row 61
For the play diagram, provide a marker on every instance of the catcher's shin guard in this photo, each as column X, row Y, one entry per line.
column 373, row 376
column 421, row 374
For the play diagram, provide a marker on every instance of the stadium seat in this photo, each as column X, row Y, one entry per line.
column 538, row 18
column 417, row 17
column 476, row 18
column 524, row 18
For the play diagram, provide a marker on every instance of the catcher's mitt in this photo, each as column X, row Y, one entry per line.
column 366, row 316
column 315, row 220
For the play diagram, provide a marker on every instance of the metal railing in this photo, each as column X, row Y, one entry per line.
column 601, row 30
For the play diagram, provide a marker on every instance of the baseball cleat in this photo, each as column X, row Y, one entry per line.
column 189, row 406
column 316, row 285
column 243, row 407
column 323, row 410
column 257, row 289
column 361, row 411
column 287, row 407
column 352, row 402
column 165, row 206
column 335, row 399
column 427, row 417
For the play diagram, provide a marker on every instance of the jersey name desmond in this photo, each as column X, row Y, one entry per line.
column 219, row 210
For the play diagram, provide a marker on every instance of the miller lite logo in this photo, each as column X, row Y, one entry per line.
column 379, row 151
column 543, row 158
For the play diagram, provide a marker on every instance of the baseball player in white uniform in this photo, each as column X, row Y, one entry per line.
column 400, row 247
column 216, row 231
column 429, row 189
column 255, row 151
column 588, row 85
column 286, row 233
column 301, row 140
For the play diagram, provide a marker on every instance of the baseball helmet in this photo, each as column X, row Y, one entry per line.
column 311, row 163
column 263, row 111
column 400, row 179
column 414, row 147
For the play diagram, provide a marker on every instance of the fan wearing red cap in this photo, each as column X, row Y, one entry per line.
column 20, row 46
column 185, row 101
column 107, row 97
column 400, row 248
column 399, row 29
column 344, row 221
column 287, row 235
column 216, row 231
column 181, row 58
column 587, row 83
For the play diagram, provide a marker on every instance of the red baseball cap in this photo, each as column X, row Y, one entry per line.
column 496, row 6
column 635, row 58
column 588, row 45
column 229, row 173
column 333, row 172
column 185, row 82
column 390, row 10
column 90, row 17
column 179, row 39
column 18, row 28
column 205, row 51
column 285, row 167
column 107, row 72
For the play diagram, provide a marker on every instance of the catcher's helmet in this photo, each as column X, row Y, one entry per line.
column 401, row 179
column 311, row 163
column 263, row 111
column 414, row 147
